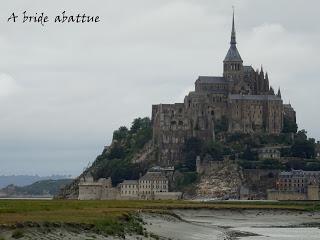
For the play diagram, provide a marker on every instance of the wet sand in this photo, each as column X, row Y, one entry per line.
column 203, row 225
column 236, row 224
column 63, row 234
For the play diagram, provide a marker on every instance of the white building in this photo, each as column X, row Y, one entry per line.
column 129, row 189
column 151, row 184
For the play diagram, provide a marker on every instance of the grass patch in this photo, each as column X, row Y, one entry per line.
column 119, row 217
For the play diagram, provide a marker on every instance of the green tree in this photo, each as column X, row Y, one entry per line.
column 221, row 125
column 191, row 149
column 215, row 149
column 249, row 154
column 120, row 134
column 140, row 123
column 303, row 147
column 270, row 164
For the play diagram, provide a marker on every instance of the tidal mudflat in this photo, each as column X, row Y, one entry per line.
column 235, row 224
column 179, row 220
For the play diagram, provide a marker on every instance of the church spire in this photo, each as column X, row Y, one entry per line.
column 279, row 93
column 233, row 54
column 233, row 31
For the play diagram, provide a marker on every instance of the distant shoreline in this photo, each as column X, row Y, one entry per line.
column 26, row 198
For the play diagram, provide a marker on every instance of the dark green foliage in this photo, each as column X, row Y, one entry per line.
column 192, row 148
column 296, row 164
column 285, row 152
column 248, row 164
column 281, row 139
column 185, row 179
column 116, row 162
column 140, row 124
column 289, row 126
column 221, row 125
column 248, row 154
column 303, row 164
column 120, row 134
column 215, row 149
column 240, row 142
column 264, row 164
column 303, row 147
column 270, row 164
column 117, row 152
column 128, row 223
column 190, row 160
column 312, row 166
column 236, row 137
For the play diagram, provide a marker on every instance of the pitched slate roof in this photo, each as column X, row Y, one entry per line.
column 233, row 54
column 129, row 182
column 211, row 79
column 254, row 97
column 154, row 176
column 248, row 69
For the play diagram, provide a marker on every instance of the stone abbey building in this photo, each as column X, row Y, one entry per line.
column 242, row 98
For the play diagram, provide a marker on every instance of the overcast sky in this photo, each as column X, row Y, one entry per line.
column 64, row 88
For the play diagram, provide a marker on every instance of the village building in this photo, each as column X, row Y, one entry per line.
column 151, row 184
column 269, row 153
column 154, row 185
column 296, row 185
column 96, row 190
column 129, row 189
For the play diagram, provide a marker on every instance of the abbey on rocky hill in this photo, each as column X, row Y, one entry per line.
column 239, row 101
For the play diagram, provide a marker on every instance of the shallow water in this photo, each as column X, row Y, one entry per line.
column 237, row 224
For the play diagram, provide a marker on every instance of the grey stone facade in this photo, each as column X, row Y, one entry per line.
column 154, row 185
column 269, row 153
column 297, row 180
column 242, row 97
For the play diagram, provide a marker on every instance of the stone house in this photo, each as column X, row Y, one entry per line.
column 151, row 184
column 296, row 185
column 268, row 153
column 129, row 189
column 96, row 190
column 297, row 180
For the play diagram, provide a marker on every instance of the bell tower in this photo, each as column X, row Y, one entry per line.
column 232, row 63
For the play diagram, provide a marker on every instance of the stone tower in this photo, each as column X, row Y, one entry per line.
column 232, row 63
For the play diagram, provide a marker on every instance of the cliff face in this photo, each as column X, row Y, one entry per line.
column 221, row 181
